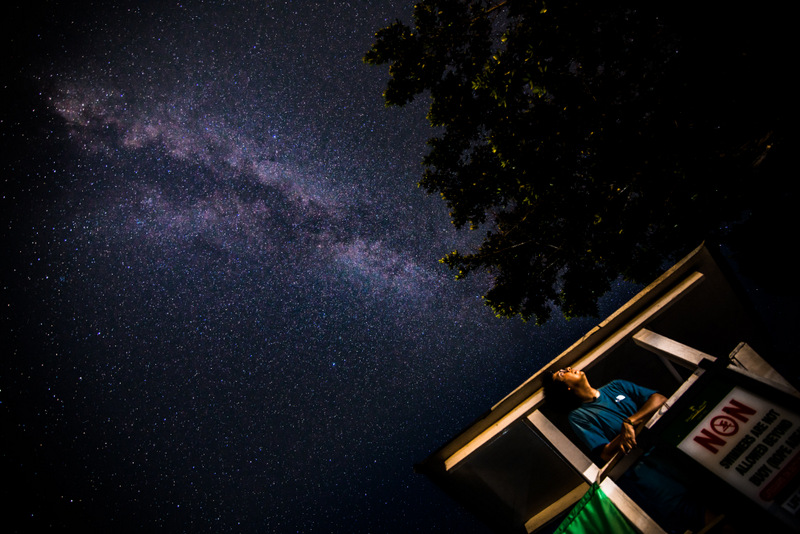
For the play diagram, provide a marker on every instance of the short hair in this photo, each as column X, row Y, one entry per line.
column 558, row 395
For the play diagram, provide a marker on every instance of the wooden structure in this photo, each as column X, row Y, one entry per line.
column 519, row 467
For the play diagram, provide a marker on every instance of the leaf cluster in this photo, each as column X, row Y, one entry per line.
column 588, row 139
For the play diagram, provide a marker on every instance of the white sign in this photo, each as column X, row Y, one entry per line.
column 751, row 443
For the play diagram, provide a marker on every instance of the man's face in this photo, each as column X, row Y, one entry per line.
column 569, row 376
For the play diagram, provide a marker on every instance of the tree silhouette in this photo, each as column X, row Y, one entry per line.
column 589, row 140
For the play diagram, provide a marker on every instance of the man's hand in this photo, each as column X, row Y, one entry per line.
column 627, row 437
column 626, row 440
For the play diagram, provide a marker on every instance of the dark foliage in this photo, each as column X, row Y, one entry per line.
column 590, row 140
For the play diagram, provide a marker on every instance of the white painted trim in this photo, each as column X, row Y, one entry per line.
column 520, row 410
column 751, row 361
column 613, row 341
column 575, row 457
column 670, row 349
column 571, row 453
column 557, row 508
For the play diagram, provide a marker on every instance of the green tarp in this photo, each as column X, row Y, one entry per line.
column 595, row 514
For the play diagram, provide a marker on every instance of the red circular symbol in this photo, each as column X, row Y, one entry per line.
column 724, row 425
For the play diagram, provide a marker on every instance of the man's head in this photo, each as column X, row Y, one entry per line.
column 564, row 389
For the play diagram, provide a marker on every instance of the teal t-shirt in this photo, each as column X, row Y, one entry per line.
column 647, row 482
column 599, row 421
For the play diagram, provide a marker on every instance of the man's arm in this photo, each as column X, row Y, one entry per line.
column 626, row 439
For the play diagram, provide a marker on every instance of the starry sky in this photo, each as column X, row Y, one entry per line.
column 222, row 305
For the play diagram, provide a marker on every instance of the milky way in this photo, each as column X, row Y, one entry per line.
column 224, row 303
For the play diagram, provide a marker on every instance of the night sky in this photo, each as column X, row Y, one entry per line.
column 222, row 305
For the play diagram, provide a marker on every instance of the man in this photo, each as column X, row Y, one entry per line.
column 605, row 419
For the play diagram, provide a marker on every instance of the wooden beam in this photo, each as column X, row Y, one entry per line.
column 558, row 507
column 520, row 410
column 670, row 349
column 638, row 322
column 572, row 454
column 751, row 361
column 575, row 457
column 613, row 341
